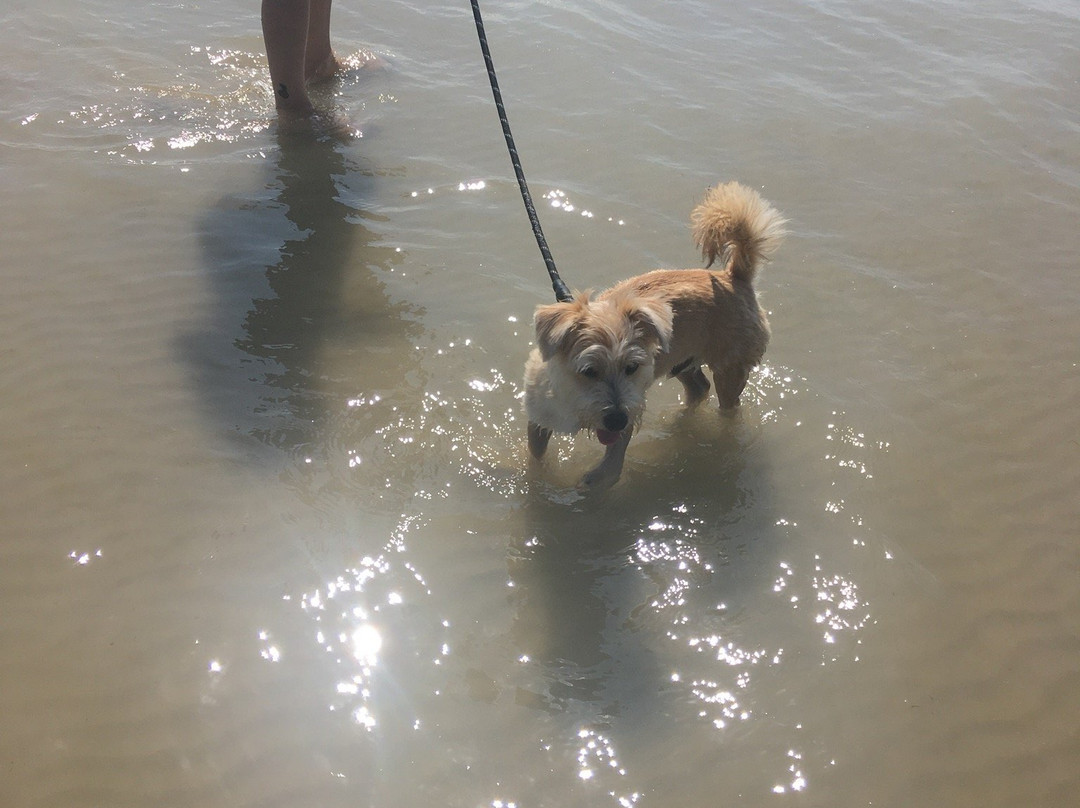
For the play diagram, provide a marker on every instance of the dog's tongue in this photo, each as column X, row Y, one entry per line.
column 606, row 436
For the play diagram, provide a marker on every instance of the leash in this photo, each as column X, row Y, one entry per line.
column 562, row 293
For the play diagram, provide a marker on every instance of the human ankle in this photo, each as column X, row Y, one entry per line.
column 322, row 69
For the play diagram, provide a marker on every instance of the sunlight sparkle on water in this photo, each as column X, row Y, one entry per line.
column 83, row 559
column 366, row 644
column 596, row 761
column 798, row 780
column 271, row 653
column 364, row 718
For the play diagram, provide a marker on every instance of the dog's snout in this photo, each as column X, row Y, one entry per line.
column 615, row 420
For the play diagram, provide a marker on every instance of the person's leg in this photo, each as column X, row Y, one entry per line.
column 285, row 33
column 319, row 60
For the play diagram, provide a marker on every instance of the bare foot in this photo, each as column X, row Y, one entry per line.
column 323, row 70
column 293, row 103
column 297, row 111
column 293, row 106
column 320, row 123
column 362, row 60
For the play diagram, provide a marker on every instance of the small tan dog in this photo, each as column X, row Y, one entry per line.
column 595, row 357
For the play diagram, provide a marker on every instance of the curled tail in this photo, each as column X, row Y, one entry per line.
column 735, row 223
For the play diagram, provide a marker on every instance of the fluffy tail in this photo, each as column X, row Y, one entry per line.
column 735, row 223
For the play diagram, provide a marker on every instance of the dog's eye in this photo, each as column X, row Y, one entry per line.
column 631, row 369
column 589, row 373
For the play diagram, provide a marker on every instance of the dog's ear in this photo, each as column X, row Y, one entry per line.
column 556, row 325
column 655, row 318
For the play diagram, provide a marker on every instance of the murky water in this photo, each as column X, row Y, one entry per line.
column 268, row 533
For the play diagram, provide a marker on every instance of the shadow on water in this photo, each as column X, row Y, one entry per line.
column 590, row 577
column 652, row 618
column 704, row 608
column 299, row 305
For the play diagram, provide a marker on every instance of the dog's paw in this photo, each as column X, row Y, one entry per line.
column 599, row 478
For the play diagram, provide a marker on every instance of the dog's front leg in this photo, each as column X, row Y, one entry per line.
column 610, row 468
column 729, row 386
column 538, row 439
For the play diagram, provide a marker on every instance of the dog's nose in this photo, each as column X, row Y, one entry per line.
column 615, row 421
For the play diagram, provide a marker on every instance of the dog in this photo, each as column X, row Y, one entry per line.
column 596, row 356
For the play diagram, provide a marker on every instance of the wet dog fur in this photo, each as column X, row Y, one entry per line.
column 596, row 356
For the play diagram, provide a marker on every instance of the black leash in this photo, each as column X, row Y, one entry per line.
column 562, row 293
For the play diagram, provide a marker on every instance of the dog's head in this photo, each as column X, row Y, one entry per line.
column 598, row 357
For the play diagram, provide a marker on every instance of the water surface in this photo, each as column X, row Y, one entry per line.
column 269, row 534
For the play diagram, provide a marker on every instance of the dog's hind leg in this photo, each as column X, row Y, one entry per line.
column 695, row 384
column 538, row 440
column 729, row 385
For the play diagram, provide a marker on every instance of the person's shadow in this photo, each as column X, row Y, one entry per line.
column 300, row 321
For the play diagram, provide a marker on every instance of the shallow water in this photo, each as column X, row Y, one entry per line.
column 269, row 536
